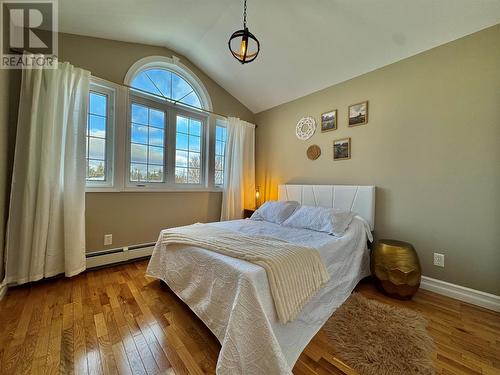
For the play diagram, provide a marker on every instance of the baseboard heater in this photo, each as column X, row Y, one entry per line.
column 119, row 255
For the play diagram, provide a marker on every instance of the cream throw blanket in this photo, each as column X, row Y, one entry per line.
column 295, row 273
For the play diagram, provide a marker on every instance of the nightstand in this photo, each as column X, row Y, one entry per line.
column 247, row 212
column 396, row 268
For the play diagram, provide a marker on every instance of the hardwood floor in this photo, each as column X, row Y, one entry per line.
column 117, row 321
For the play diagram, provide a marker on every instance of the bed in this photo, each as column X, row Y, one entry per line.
column 232, row 297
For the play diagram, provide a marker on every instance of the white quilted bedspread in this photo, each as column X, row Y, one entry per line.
column 232, row 297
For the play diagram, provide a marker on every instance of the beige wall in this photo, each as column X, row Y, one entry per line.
column 135, row 218
column 432, row 148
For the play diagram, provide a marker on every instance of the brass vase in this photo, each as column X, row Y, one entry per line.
column 396, row 268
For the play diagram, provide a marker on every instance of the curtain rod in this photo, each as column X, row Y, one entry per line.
column 169, row 99
column 147, row 92
column 165, row 98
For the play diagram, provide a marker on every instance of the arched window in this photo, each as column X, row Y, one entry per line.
column 167, row 84
column 168, row 129
column 170, row 79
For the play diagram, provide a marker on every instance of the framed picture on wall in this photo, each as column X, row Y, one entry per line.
column 329, row 121
column 358, row 114
column 342, row 149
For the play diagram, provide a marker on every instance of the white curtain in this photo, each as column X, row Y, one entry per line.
column 239, row 169
column 46, row 225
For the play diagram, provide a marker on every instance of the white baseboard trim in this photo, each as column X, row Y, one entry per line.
column 462, row 293
column 98, row 259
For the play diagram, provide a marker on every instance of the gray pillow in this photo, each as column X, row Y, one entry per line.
column 320, row 219
column 275, row 211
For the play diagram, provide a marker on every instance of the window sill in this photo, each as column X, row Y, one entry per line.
column 153, row 190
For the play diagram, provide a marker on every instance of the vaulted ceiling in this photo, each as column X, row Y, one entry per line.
column 306, row 45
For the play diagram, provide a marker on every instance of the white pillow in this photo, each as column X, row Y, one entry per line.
column 275, row 211
column 320, row 219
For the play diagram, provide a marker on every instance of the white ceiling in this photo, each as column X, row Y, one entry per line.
column 306, row 45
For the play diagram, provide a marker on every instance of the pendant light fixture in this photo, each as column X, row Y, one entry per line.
column 243, row 45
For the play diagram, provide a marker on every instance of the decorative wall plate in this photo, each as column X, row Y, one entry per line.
column 313, row 152
column 305, row 128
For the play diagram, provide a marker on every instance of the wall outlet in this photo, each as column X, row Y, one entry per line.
column 439, row 260
column 108, row 239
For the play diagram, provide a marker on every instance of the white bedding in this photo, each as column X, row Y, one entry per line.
column 232, row 296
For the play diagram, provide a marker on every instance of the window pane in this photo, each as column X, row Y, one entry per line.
column 95, row 170
column 219, row 148
column 194, row 160
column 181, row 158
column 219, row 178
column 218, row 133
column 155, row 155
column 141, row 81
column 192, row 99
column 181, row 141
column 181, row 175
column 219, row 163
column 194, row 143
column 147, row 149
column 139, row 134
column 156, row 137
column 138, row 172
column 156, row 118
column 180, row 87
column 97, row 148
column 97, row 104
column 96, row 132
column 138, row 153
column 220, row 152
column 188, row 138
column 182, row 125
column 167, row 84
column 97, row 126
column 155, row 173
column 161, row 80
column 195, row 127
column 194, row 176
column 139, row 114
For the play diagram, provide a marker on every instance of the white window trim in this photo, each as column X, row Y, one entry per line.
column 103, row 87
column 140, row 186
column 120, row 127
column 205, row 134
column 169, row 158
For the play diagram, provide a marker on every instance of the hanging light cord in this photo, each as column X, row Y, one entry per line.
column 245, row 15
column 245, row 39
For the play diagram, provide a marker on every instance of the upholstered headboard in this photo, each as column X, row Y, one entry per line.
column 358, row 199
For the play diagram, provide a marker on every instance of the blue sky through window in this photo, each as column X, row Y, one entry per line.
column 167, row 84
column 97, row 118
column 188, row 161
column 147, row 144
column 220, row 152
